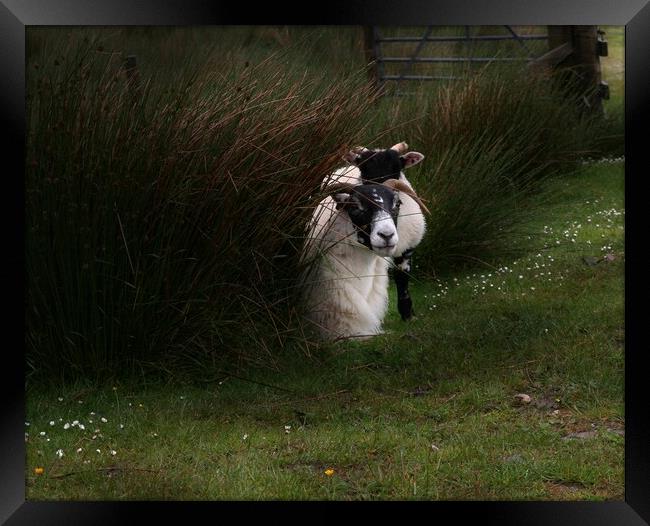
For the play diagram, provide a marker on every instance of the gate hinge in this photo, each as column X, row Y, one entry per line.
column 601, row 44
column 603, row 90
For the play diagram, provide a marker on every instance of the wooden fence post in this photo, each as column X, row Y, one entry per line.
column 582, row 62
column 370, row 52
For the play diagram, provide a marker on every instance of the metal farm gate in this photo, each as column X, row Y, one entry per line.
column 437, row 53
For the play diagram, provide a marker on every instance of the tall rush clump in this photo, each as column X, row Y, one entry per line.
column 164, row 221
column 488, row 142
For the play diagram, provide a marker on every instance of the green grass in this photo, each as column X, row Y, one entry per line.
column 426, row 411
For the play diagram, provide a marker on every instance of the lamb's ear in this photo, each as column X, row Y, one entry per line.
column 411, row 159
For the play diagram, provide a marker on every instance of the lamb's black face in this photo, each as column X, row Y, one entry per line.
column 373, row 209
column 378, row 166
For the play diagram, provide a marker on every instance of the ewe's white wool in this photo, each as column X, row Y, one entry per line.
column 347, row 292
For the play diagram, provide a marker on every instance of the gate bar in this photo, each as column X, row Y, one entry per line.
column 388, row 40
column 451, row 59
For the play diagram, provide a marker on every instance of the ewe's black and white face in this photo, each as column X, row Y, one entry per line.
column 377, row 166
column 373, row 210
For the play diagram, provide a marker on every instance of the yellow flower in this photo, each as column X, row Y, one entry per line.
column 39, row 471
column 329, row 472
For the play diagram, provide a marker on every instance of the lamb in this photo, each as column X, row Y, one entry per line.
column 379, row 166
column 352, row 234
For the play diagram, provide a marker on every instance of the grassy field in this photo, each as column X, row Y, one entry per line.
column 428, row 411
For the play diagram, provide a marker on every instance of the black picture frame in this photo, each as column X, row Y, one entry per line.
column 15, row 15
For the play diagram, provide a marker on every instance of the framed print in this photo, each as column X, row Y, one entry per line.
column 357, row 253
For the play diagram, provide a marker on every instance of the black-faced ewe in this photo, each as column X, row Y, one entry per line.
column 379, row 166
column 353, row 234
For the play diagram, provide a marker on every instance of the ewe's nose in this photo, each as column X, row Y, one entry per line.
column 386, row 236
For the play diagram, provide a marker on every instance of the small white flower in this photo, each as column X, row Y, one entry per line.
column 82, row 427
column 121, row 426
column 59, row 453
column 92, row 413
column 66, row 425
column 27, row 424
column 52, row 422
column 245, row 436
column 79, row 450
column 60, row 399
column 103, row 419
column 113, row 452
column 98, row 450
column 42, row 433
column 287, row 429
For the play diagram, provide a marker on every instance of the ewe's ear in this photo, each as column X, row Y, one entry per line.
column 411, row 159
column 353, row 156
column 400, row 147
column 341, row 199
column 347, row 201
